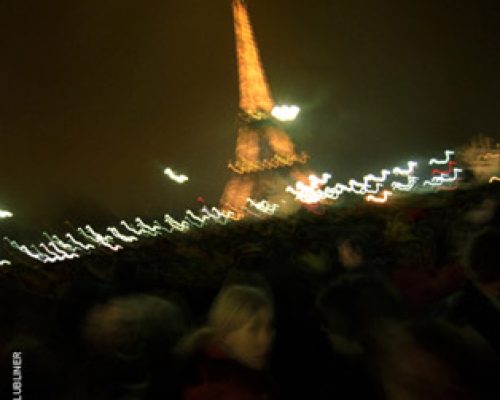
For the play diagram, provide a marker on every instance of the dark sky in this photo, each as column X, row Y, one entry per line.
column 97, row 97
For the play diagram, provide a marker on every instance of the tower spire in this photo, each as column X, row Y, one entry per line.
column 255, row 96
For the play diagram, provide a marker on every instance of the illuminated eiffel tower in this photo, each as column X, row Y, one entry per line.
column 265, row 157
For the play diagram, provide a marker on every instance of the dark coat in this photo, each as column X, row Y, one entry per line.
column 212, row 375
column 470, row 307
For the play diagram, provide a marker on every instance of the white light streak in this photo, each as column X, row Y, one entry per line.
column 412, row 165
column 175, row 177
column 443, row 178
column 385, row 196
column 5, row 214
column 263, row 206
column 378, row 179
column 405, row 187
column 285, row 113
column 120, row 236
column 447, row 153
column 83, row 246
column 312, row 193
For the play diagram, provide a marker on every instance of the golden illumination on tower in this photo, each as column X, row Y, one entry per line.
column 262, row 146
column 255, row 96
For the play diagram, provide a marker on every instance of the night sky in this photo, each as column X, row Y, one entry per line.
column 97, row 97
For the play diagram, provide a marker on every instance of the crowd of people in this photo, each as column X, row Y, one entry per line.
column 398, row 301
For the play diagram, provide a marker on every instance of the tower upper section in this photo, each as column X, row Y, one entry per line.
column 255, row 96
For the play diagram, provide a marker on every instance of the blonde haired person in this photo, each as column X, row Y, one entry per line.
column 228, row 357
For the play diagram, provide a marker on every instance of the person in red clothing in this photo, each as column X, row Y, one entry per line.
column 227, row 358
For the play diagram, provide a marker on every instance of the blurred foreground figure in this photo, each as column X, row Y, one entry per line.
column 402, row 359
column 129, row 342
column 226, row 359
column 477, row 305
column 357, row 254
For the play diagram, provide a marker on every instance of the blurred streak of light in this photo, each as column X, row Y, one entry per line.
column 219, row 217
column 120, row 236
column 86, row 247
column 178, row 226
column 405, row 187
column 60, row 243
column 411, row 180
column 264, row 206
column 68, row 255
column 151, row 229
column 448, row 154
column 451, row 164
column 406, row 172
column 443, row 178
column 97, row 238
column 58, row 254
column 57, row 250
column 378, row 179
column 494, row 179
column 24, row 249
column 4, row 263
column 385, row 196
column 196, row 221
column 5, row 214
column 138, row 232
column 175, row 177
column 310, row 193
column 285, row 113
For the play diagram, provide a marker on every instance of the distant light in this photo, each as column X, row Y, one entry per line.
column 176, row 178
column 6, row 214
column 385, row 196
column 285, row 113
column 447, row 154
column 494, row 179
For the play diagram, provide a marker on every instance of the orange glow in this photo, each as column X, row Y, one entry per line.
column 280, row 142
column 254, row 90
column 244, row 166
column 236, row 193
column 259, row 146
column 247, row 145
column 385, row 196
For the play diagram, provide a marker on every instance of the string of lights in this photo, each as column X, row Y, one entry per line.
column 56, row 250
column 371, row 185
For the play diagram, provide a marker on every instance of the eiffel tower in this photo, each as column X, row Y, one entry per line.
column 265, row 156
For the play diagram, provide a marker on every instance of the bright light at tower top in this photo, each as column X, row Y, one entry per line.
column 285, row 113
column 6, row 214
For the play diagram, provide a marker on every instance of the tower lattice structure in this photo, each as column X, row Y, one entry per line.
column 265, row 156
